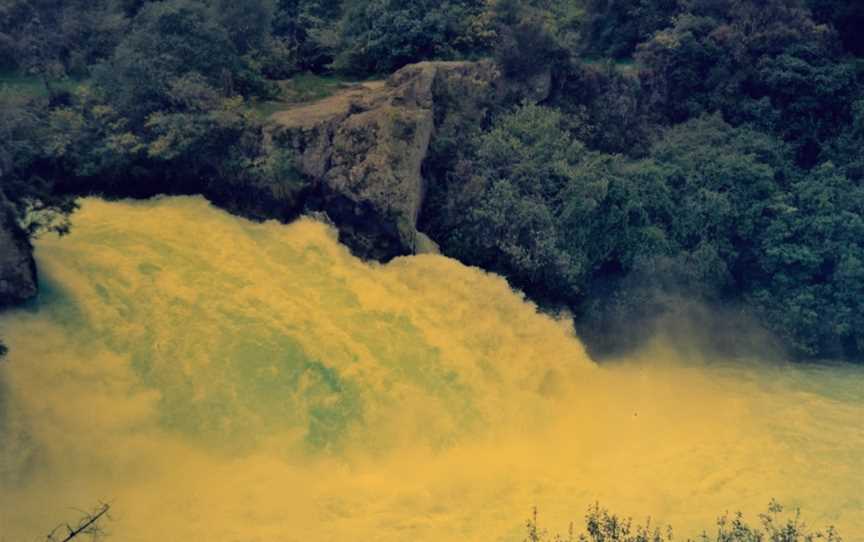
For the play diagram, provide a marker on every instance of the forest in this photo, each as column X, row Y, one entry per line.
column 689, row 152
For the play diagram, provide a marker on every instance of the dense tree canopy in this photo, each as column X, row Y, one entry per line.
column 168, row 42
column 693, row 150
column 380, row 36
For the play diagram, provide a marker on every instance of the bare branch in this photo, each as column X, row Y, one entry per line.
column 86, row 525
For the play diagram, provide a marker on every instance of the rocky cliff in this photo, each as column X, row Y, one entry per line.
column 363, row 149
column 17, row 267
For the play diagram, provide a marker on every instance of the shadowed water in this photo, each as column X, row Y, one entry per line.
column 219, row 379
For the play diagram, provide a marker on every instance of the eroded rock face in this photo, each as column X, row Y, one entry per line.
column 364, row 148
column 17, row 267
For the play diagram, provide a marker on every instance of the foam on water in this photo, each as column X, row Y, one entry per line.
column 216, row 378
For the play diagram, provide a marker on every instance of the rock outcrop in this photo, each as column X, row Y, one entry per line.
column 364, row 148
column 17, row 267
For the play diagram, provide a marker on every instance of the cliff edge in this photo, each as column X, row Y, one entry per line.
column 363, row 149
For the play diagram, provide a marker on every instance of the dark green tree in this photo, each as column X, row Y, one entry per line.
column 169, row 40
column 380, row 36
column 847, row 16
column 249, row 23
column 811, row 289
column 769, row 64
column 27, row 175
column 613, row 28
column 306, row 31
column 521, row 169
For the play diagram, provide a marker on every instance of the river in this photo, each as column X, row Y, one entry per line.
column 214, row 378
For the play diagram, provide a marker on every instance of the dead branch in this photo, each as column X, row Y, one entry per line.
column 87, row 525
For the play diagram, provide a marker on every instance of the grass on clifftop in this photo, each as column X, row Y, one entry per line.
column 302, row 88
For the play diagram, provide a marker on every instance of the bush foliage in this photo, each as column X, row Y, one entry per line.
column 602, row 526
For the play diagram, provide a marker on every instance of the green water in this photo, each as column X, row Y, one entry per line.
column 215, row 378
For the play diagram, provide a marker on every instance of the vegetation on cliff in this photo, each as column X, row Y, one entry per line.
column 660, row 153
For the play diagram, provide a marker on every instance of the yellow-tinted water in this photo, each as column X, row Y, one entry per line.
column 224, row 380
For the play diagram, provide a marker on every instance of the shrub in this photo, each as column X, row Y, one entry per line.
column 602, row 526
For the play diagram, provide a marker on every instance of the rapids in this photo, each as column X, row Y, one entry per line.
column 215, row 378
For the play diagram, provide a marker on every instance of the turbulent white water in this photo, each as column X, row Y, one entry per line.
column 219, row 379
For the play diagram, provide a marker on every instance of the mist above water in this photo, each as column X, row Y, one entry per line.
column 217, row 378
